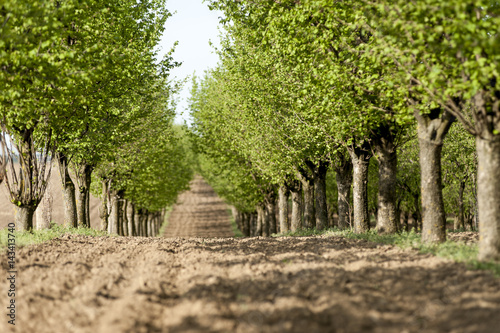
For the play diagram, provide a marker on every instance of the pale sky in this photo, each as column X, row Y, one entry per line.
column 193, row 25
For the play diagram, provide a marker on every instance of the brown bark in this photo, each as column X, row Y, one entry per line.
column 43, row 213
column 83, row 173
column 137, row 221
column 242, row 226
column 114, row 216
column 144, row 223
column 248, row 224
column 307, row 181
column 262, row 223
column 131, row 219
column 432, row 130
column 24, row 217
column 125, row 217
column 253, row 224
column 360, row 157
column 321, row 209
column 103, row 210
column 417, row 215
column 68, row 189
column 296, row 218
column 87, row 205
column 433, row 214
column 488, row 197
column 283, row 194
column 145, row 218
column 237, row 217
column 151, row 223
column 386, row 210
column 344, row 181
column 27, row 181
column 271, row 215
column 259, row 231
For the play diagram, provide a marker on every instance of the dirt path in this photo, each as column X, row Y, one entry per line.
column 304, row 284
column 199, row 212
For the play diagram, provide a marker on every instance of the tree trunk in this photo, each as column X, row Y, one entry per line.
column 360, row 157
column 43, row 213
column 344, row 182
column 283, row 209
column 432, row 129
column 125, row 217
column 417, row 216
column 152, row 225
column 114, row 216
column 271, row 216
column 488, row 197
column 296, row 218
column 260, row 221
column 248, row 224
column 433, row 214
column 84, row 173
column 146, row 224
column 321, row 211
column 387, row 169
column 103, row 210
column 308, row 191
column 253, row 224
column 470, row 222
column 398, row 214
column 24, row 218
column 68, row 189
column 88, row 205
column 130, row 219
column 137, row 220
column 27, row 185
column 237, row 217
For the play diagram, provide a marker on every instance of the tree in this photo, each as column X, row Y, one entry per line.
column 448, row 54
column 35, row 76
column 319, row 47
column 120, row 56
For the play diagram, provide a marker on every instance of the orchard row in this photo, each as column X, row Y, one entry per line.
column 82, row 86
column 304, row 87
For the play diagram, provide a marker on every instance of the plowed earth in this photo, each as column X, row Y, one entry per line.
column 303, row 284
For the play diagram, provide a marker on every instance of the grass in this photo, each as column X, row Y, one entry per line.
column 457, row 251
column 237, row 232
column 25, row 238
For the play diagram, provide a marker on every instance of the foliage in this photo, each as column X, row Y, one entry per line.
column 459, row 172
column 449, row 58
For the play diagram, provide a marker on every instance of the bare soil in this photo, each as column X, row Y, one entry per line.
column 223, row 284
column 199, row 212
